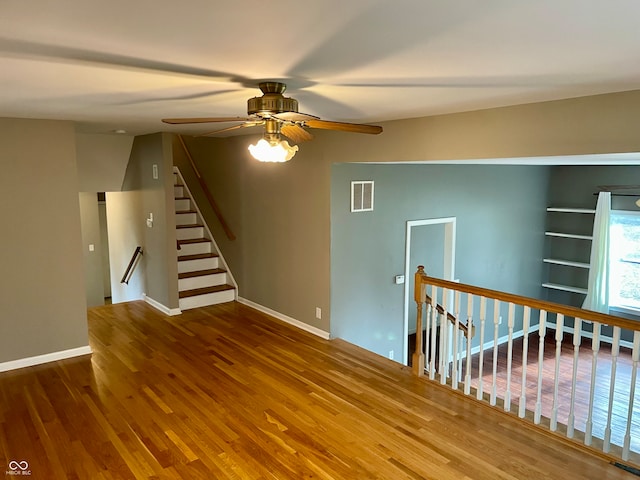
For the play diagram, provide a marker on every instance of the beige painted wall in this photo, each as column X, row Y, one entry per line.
column 281, row 213
column 42, row 292
column 90, row 224
column 102, row 161
column 155, row 197
column 586, row 125
column 126, row 223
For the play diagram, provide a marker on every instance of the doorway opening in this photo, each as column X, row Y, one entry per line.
column 429, row 242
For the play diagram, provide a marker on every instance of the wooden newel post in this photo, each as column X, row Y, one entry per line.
column 419, row 294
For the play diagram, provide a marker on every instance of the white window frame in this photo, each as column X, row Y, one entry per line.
column 621, row 308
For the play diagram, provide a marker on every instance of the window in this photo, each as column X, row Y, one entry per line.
column 624, row 261
column 362, row 196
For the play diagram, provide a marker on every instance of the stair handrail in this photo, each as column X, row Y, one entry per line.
column 207, row 192
column 612, row 439
column 422, row 279
column 422, row 297
column 129, row 271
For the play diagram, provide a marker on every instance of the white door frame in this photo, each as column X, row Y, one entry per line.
column 409, row 270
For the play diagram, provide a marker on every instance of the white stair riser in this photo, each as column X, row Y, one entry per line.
column 199, row 264
column 185, row 218
column 194, row 248
column 178, row 191
column 182, row 204
column 207, row 299
column 188, row 233
column 202, row 281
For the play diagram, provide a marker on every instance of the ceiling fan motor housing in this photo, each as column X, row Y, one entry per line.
column 272, row 101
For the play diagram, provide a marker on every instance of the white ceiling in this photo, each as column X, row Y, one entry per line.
column 126, row 64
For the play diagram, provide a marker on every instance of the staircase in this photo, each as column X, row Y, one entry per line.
column 202, row 276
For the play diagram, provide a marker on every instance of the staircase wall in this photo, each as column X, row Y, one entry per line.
column 154, row 196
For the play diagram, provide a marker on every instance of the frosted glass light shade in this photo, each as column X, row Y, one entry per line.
column 280, row 151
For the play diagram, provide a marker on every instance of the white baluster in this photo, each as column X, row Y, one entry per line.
column 595, row 348
column 615, row 351
column 460, row 354
column 483, row 316
column 444, row 354
column 577, row 340
column 507, row 395
column 496, row 322
column 556, row 376
column 542, row 331
column 525, row 353
column 456, row 326
column 467, row 377
column 434, row 332
column 635, row 356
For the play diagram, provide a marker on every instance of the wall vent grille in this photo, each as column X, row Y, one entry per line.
column 362, row 196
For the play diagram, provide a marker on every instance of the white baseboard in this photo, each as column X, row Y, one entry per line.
column 502, row 340
column 46, row 358
column 292, row 321
column 158, row 306
column 552, row 326
column 603, row 338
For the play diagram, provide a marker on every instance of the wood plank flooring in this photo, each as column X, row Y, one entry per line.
column 225, row 392
column 601, row 397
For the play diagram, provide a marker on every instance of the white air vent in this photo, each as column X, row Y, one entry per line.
column 362, row 196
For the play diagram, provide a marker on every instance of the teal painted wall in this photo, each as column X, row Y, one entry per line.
column 500, row 213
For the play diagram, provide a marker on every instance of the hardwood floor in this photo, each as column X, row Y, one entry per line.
column 226, row 392
column 601, row 397
column 624, row 371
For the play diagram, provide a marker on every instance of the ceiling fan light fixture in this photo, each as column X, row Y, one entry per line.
column 274, row 150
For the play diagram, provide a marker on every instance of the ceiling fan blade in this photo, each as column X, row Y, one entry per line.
column 296, row 133
column 180, row 121
column 344, row 127
column 294, row 117
column 235, row 127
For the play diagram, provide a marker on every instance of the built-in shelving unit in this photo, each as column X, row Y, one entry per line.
column 562, row 261
column 565, row 288
column 568, row 235
column 568, row 263
column 571, row 210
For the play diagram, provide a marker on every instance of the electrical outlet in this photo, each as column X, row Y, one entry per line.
column 318, row 313
column 390, row 354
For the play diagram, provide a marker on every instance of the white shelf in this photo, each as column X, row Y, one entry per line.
column 571, row 210
column 568, row 263
column 568, row 235
column 565, row 288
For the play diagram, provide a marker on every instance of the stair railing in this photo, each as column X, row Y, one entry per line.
column 207, row 193
column 132, row 264
column 583, row 389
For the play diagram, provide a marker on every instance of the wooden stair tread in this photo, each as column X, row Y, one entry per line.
column 201, row 273
column 197, row 256
column 190, row 225
column 182, row 198
column 205, row 290
column 179, row 212
column 194, row 240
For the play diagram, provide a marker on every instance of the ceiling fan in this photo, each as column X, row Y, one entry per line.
column 279, row 115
